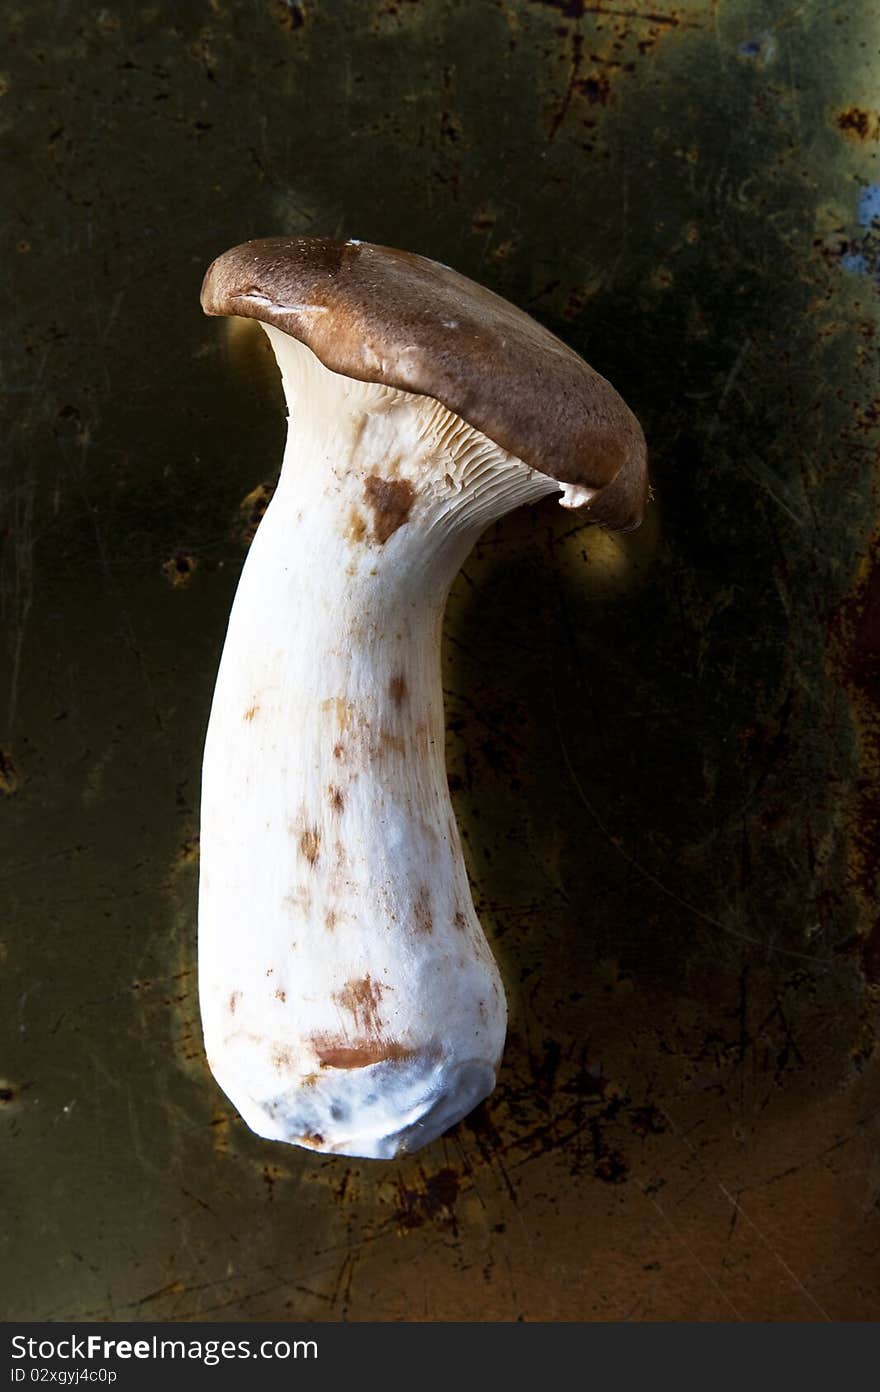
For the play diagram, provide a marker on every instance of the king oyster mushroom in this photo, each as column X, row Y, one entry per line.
column 349, row 998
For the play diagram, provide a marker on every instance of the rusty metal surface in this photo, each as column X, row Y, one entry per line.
column 663, row 748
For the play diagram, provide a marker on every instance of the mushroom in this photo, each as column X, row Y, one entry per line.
column 349, row 998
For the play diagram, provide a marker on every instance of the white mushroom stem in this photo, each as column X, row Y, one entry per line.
column 349, row 998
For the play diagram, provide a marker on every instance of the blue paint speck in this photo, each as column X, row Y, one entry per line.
column 855, row 263
column 762, row 48
column 869, row 205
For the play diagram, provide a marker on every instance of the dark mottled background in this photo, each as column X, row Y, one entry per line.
column 663, row 748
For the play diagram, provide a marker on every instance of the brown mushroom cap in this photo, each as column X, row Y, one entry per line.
column 381, row 315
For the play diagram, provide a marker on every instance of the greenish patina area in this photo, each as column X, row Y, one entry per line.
column 663, row 748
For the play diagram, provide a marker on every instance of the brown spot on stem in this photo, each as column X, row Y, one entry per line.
column 422, row 918
column 357, row 527
column 337, row 801
column 282, row 1058
column 299, row 898
column 340, row 1053
column 341, row 710
column 250, row 713
column 358, row 740
column 311, row 1138
column 281, row 995
column 391, row 501
column 361, row 997
column 387, row 743
column 460, row 921
column 337, row 881
column 332, row 919
column 310, row 844
column 233, row 1001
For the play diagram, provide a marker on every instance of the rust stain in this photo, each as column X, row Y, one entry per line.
column 310, row 844
column 858, row 124
column 337, row 799
column 179, row 567
column 662, row 278
column 281, row 995
column 220, row 1131
column 596, row 89
column 332, row 919
column 868, row 419
column 9, row 780
column 484, row 218
column 233, row 1001
column 173, row 1288
column 460, row 921
column 251, row 510
column 576, row 9
column 342, row 1053
column 291, row 17
column 433, row 1201
column 271, row 1175
column 397, row 689
column 854, row 647
column 648, row 1120
column 611, row 1166
column 188, row 853
column 391, row 501
column 250, row 713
